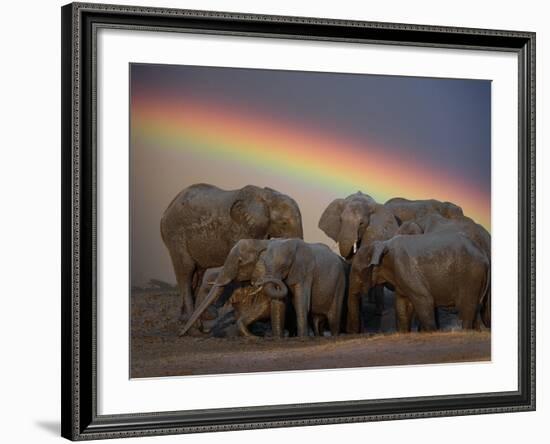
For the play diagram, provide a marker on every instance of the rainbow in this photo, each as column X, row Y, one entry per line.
column 308, row 154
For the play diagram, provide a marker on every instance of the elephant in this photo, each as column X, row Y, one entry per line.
column 245, row 306
column 316, row 277
column 405, row 209
column 435, row 223
column 353, row 222
column 203, row 223
column 426, row 271
column 354, row 298
column 237, row 268
column 208, row 280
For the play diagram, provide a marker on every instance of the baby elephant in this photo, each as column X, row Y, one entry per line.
column 245, row 306
column 430, row 270
column 315, row 276
column 237, row 269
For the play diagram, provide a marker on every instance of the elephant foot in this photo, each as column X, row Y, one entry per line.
column 194, row 332
column 244, row 331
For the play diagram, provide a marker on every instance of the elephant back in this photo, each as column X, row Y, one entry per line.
column 199, row 210
column 207, row 221
column 476, row 233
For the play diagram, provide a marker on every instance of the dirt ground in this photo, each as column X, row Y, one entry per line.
column 156, row 350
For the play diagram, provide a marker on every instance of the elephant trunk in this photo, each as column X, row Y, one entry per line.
column 213, row 294
column 274, row 288
column 348, row 246
column 345, row 248
column 349, row 239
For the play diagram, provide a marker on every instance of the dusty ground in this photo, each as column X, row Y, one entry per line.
column 156, row 350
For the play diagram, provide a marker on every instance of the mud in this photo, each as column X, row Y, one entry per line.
column 156, row 350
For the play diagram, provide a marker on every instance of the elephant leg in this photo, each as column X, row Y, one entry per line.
column 477, row 323
column 243, row 329
column 318, row 324
column 478, row 320
column 403, row 313
column 425, row 312
column 184, row 267
column 353, row 319
column 379, row 299
column 198, row 275
column 467, row 313
column 334, row 316
column 250, row 313
column 278, row 308
column 301, row 301
column 436, row 317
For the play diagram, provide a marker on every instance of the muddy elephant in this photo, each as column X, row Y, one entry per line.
column 354, row 321
column 245, row 306
column 208, row 281
column 435, row 223
column 315, row 276
column 440, row 269
column 353, row 222
column 203, row 223
column 406, row 210
column 237, row 269
column 236, row 308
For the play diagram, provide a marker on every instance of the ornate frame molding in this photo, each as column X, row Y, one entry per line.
column 80, row 22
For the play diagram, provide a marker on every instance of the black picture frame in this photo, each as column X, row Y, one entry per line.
column 78, row 333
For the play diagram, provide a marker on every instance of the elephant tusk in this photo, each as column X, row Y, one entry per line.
column 200, row 309
column 355, row 247
column 256, row 291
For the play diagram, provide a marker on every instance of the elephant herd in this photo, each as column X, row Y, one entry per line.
column 239, row 257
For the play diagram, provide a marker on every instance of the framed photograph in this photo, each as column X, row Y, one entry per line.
column 280, row 221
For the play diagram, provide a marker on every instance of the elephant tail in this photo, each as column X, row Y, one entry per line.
column 485, row 302
column 162, row 231
column 164, row 228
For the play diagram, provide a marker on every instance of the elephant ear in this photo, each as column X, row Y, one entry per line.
column 409, row 228
column 302, row 265
column 251, row 211
column 230, row 267
column 251, row 249
column 330, row 219
column 378, row 252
